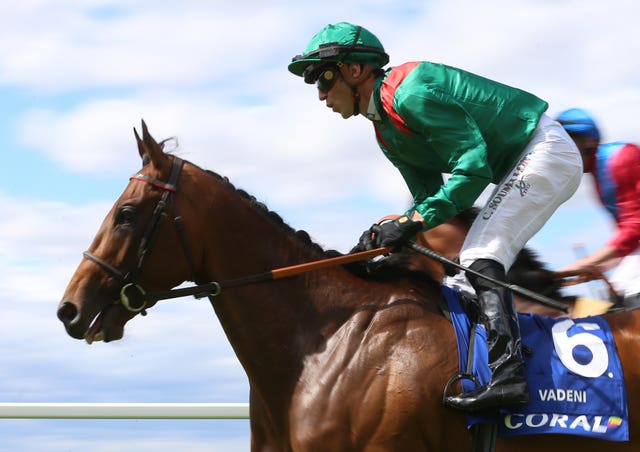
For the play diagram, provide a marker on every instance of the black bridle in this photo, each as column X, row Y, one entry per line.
column 132, row 296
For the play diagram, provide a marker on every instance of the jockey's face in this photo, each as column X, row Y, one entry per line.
column 339, row 97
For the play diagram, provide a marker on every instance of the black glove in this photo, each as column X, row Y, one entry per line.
column 365, row 243
column 391, row 233
column 395, row 232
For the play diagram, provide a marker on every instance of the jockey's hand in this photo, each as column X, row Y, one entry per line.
column 395, row 232
column 365, row 243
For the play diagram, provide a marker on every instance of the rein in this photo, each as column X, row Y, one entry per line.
column 215, row 288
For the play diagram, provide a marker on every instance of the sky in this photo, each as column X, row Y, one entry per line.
column 77, row 77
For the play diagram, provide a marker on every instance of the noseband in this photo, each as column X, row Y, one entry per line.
column 132, row 295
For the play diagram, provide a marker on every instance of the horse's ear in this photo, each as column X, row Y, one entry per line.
column 141, row 148
column 148, row 148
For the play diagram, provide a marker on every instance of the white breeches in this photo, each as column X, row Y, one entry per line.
column 547, row 173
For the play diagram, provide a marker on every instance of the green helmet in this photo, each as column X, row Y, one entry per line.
column 339, row 43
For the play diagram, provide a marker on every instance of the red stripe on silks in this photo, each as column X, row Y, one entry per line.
column 388, row 91
column 379, row 136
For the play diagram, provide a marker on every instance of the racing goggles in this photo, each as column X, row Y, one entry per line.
column 327, row 77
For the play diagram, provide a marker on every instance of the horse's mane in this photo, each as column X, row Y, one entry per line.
column 301, row 235
column 397, row 265
column 527, row 271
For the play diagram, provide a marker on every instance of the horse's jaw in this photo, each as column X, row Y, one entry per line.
column 101, row 329
column 106, row 325
column 92, row 315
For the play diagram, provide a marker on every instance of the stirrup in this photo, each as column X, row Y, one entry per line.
column 458, row 377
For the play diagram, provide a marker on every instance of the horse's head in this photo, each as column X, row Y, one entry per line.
column 140, row 247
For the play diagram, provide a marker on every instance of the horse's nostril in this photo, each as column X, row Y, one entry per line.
column 67, row 312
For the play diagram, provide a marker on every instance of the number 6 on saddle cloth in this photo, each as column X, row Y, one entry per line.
column 573, row 372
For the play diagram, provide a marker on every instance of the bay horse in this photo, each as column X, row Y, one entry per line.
column 335, row 361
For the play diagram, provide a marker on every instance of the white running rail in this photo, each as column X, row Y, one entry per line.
column 124, row 410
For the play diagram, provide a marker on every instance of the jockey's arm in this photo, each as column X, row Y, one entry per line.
column 604, row 260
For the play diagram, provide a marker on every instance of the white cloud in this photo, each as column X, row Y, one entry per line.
column 264, row 148
column 145, row 43
column 41, row 243
column 559, row 51
column 265, row 116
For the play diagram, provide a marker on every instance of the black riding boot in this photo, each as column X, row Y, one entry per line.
column 508, row 384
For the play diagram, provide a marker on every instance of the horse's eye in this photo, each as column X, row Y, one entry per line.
column 125, row 216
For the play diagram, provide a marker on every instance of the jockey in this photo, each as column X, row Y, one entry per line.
column 616, row 170
column 431, row 119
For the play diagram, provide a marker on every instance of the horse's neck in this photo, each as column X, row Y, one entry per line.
column 271, row 325
column 275, row 326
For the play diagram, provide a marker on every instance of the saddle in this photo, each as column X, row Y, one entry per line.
column 573, row 372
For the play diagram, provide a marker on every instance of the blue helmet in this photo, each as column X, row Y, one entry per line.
column 578, row 122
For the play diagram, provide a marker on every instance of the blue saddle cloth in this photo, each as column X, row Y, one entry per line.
column 573, row 371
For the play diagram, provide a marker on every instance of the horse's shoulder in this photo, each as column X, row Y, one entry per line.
column 381, row 356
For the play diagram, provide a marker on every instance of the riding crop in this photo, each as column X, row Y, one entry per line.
column 512, row 287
